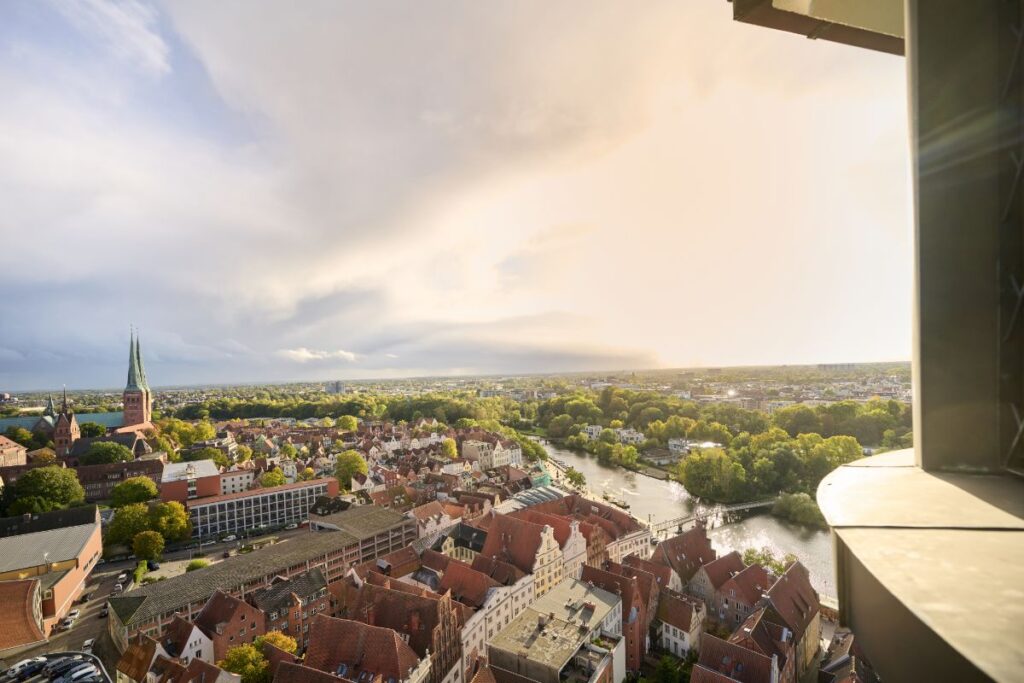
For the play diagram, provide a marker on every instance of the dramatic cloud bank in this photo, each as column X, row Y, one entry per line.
column 386, row 189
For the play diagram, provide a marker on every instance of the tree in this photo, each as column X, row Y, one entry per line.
column 307, row 474
column 608, row 436
column 797, row 419
column 133, row 490
column 21, row 435
column 575, row 477
column 54, row 487
column 103, row 452
column 45, row 456
column 90, row 429
column 288, row 450
column 148, row 545
column 128, row 521
column 346, row 423
column 712, row 473
column 248, row 662
column 198, row 563
column 243, row 453
column 273, row 478
column 799, row 508
column 171, row 520
column 559, row 426
column 767, row 559
column 278, row 640
column 348, row 464
column 449, row 448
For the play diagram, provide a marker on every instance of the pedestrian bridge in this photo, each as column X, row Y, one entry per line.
column 671, row 527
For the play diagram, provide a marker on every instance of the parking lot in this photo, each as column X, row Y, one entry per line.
column 65, row 662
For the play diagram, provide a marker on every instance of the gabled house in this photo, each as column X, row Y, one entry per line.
column 680, row 622
column 793, row 603
column 685, row 553
column 229, row 621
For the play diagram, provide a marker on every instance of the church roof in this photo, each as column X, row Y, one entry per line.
column 136, row 371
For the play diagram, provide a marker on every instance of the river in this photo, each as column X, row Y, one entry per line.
column 653, row 501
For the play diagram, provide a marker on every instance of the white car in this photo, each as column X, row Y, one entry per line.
column 67, row 623
column 87, row 645
column 74, row 614
column 118, row 588
column 13, row 671
column 232, row 537
column 293, row 525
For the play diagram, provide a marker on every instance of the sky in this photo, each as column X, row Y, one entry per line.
column 344, row 190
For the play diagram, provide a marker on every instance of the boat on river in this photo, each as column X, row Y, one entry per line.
column 615, row 500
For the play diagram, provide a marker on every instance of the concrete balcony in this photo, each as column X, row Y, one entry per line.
column 930, row 568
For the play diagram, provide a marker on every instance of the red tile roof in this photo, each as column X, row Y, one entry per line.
column 427, row 511
column 677, row 609
column 734, row 661
column 759, row 634
column 504, row 573
column 662, row 573
column 724, row 568
column 467, row 585
column 750, row 584
column 700, row 674
column 297, row 673
column 685, row 553
column 513, row 540
column 794, row 599
column 16, row 605
column 138, row 657
column 221, row 608
column 359, row 647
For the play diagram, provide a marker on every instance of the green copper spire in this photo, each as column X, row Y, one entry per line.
column 138, row 361
column 136, row 373
column 50, row 409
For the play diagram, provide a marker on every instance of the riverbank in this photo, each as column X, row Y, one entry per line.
column 655, row 500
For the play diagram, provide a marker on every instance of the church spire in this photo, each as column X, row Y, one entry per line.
column 64, row 405
column 50, row 409
column 136, row 373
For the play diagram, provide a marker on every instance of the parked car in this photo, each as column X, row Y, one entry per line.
column 74, row 614
column 122, row 577
column 31, row 670
column 118, row 587
column 83, row 671
column 17, row 668
column 232, row 537
column 85, row 597
column 226, row 554
column 152, row 565
column 67, row 623
column 293, row 525
column 104, row 612
column 62, row 666
column 87, row 645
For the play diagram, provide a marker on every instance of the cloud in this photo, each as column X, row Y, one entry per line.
column 127, row 28
column 509, row 188
column 304, row 355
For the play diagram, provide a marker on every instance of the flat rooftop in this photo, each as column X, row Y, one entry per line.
column 552, row 641
column 146, row 603
column 176, row 471
column 42, row 547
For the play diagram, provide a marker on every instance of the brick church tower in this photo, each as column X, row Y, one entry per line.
column 138, row 404
column 65, row 429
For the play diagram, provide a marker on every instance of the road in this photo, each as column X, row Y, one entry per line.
column 100, row 586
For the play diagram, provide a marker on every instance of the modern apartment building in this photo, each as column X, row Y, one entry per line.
column 265, row 508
